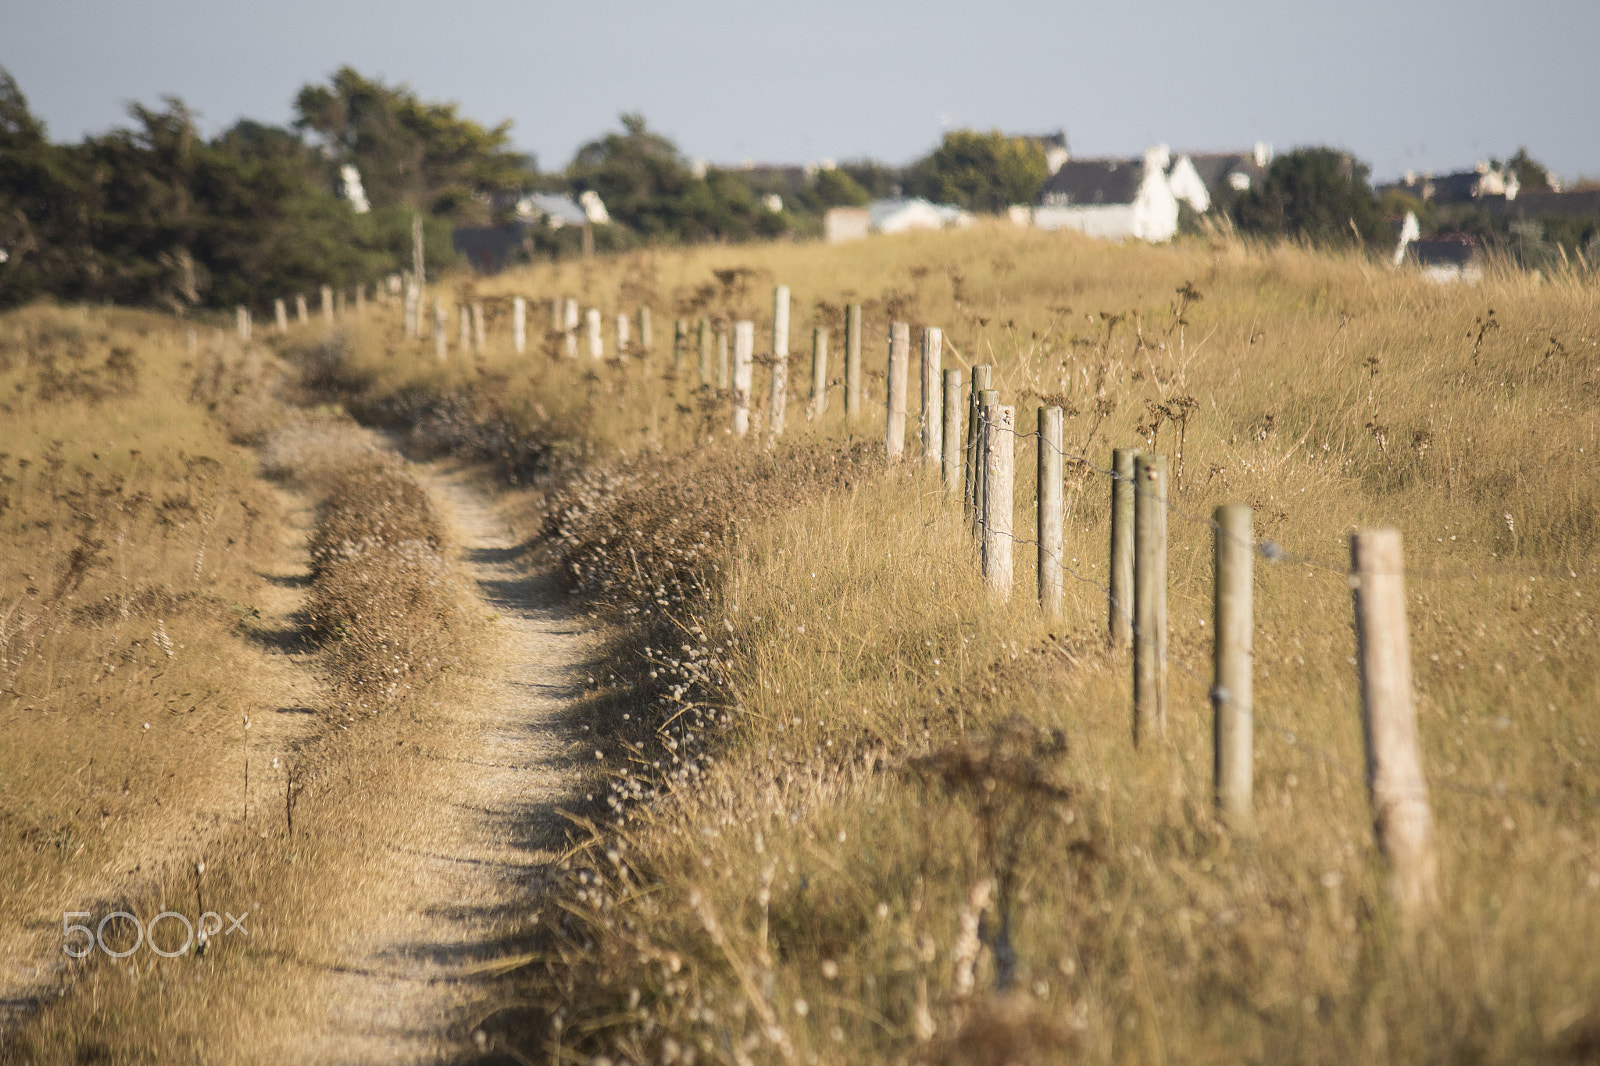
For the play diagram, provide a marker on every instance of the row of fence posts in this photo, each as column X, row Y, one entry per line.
column 980, row 466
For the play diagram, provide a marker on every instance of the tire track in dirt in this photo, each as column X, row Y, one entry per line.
column 444, row 886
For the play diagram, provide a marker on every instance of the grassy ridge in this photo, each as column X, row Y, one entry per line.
column 885, row 747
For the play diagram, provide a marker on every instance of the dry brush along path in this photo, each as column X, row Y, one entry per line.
column 451, row 871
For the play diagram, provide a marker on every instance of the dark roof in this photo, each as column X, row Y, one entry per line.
column 1539, row 204
column 488, row 248
column 1456, row 249
column 1214, row 168
column 1082, row 182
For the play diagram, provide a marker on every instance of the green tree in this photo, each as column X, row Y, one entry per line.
column 1319, row 195
column 411, row 153
column 44, row 208
column 980, row 171
column 1531, row 174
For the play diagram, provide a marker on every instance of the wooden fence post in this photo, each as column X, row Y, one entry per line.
column 932, row 395
column 419, row 272
column 986, row 398
column 852, row 362
column 413, row 309
column 597, row 349
column 1401, row 815
column 680, row 343
column 1121, row 570
column 241, row 316
column 327, row 304
column 999, row 459
column 480, row 334
column 1232, row 638
column 300, row 315
column 569, row 323
column 519, row 324
column 622, row 334
column 705, row 351
column 981, row 377
column 724, row 374
column 744, row 347
column 280, row 316
column 952, row 431
column 1052, row 510
column 894, row 436
column 1149, row 597
column 819, row 371
column 778, row 401
column 647, row 337
column 441, row 342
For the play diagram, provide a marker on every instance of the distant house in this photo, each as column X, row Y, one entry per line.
column 1447, row 257
column 1481, row 183
column 490, row 249
column 1114, row 198
column 901, row 213
column 841, row 224
column 552, row 209
column 1228, row 175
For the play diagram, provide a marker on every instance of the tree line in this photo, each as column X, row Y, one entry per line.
column 156, row 214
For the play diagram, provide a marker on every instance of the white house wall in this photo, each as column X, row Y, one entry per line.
column 1107, row 221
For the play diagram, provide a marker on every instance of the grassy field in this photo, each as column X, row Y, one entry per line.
column 865, row 813
column 887, row 820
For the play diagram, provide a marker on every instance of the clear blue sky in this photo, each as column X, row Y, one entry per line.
column 1420, row 84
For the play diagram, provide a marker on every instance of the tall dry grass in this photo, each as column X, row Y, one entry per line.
column 884, row 819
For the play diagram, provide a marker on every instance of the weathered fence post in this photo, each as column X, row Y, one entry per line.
column 1149, row 597
column 1232, row 639
column 680, row 342
column 647, row 337
column 622, row 334
column 569, row 326
column 1401, row 815
column 596, row 344
column 280, row 316
column 986, row 398
column 1052, row 511
column 894, row 434
column 932, row 395
column 480, row 334
column 327, row 304
column 778, row 400
column 981, row 377
column 952, row 431
column 300, row 315
column 519, row 324
column 418, row 267
column 999, row 458
column 704, row 327
column 852, row 362
column 724, row 374
column 441, row 342
column 819, row 371
column 744, row 347
column 413, row 309
column 241, row 316
column 1121, row 577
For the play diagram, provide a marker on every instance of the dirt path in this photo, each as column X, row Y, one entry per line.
column 443, row 887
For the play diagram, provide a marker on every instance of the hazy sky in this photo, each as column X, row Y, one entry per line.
column 1419, row 84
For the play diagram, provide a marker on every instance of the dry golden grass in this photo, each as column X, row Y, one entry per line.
column 136, row 616
column 808, row 882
